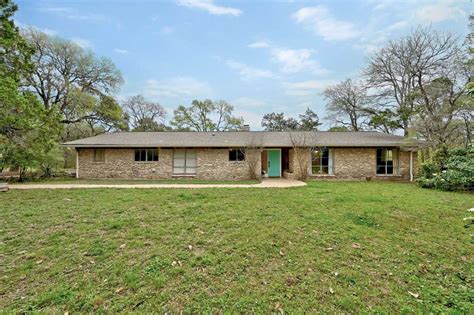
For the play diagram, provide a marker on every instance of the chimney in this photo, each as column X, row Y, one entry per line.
column 246, row 128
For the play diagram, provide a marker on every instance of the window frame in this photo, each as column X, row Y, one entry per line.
column 391, row 153
column 145, row 152
column 95, row 155
column 239, row 155
column 325, row 156
column 185, row 167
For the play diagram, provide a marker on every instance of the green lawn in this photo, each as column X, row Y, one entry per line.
column 113, row 181
column 330, row 246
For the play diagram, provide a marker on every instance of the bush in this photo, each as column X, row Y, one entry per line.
column 450, row 169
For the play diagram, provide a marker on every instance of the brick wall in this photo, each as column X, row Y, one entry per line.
column 120, row 163
column 212, row 164
column 359, row 163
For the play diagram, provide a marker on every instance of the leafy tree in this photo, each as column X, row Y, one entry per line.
column 74, row 81
column 450, row 169
column 144, row 115
column 29, row 133
column 206, row 116
column 15, row 52
column 339, row 128
column 383, row 119
column 347, row 102
column 275, row 122
column 309, row 121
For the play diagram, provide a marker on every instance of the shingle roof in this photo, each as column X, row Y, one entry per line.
column 242, row 139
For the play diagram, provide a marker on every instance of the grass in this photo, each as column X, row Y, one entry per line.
column 113, row 181
column 329, row 246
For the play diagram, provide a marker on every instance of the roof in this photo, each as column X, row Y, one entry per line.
column 242, row 139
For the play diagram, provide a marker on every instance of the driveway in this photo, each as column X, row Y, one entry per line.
column 266, row 183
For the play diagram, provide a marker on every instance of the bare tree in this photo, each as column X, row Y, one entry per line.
column 443, row 102
column 144, row 115
column 402, row 69
column 302, row 143
column 253, row 153
column 346, row 105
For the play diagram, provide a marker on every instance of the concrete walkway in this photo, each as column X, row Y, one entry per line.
column 266, row 183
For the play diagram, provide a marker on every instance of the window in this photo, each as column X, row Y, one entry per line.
column 321, row 161
column 99, row 155
column 184, row 161
column 236, row 155
column 387, row 161
column 146, row 155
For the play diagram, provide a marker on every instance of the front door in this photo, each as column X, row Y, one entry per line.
column 274, row 163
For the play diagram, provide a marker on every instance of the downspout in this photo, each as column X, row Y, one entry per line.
column 77, row 163
column 411, row 165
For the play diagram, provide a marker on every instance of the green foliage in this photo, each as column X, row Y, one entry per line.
column 29, row 133
column 15, row 52
column 144, row 115
column 200, row 116
column 75, row 82
column 309, row 121
column 450, row 169
column 339, row 128
column 385, row 120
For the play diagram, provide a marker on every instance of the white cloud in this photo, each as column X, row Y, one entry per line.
column 166, row 30
column 84, row 43
column 296, row 60
column 177, row 87
column 305, row 88
column 396, row 26
column 260, row 44
column 247, row 72
column 438, row 12
column 319, row 20
column 292, row 60
column 210, row 7
column 121, row 51
column 47, row 31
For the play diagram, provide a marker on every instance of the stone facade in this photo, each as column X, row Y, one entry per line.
column 214, row 164
column 355, row 164
column 120, row 163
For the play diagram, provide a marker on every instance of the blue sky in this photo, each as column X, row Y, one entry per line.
column 261, row 56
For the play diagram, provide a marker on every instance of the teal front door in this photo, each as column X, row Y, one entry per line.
column 274, row 163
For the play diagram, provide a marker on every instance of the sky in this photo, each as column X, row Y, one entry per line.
column 260, row 56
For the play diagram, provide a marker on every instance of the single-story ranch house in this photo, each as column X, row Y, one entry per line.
column 235, row 155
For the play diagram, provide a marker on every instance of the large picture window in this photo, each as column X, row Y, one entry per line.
column 236, row 155
column 321, row 161
column 99, row 155
column 146, row 155
column 387, row 161
column 184, row 161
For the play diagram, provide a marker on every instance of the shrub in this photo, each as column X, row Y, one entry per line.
column 450, row 169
